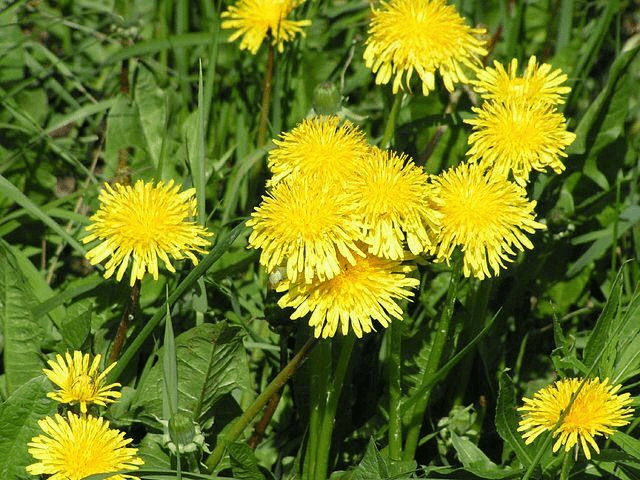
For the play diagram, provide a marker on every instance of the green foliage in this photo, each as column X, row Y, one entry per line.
column 93, row 92
column 19, row 415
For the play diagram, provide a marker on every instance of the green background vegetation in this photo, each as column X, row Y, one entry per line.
column 154, row 85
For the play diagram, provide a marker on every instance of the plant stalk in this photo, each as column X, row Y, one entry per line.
column 125, row 321
column 241, row 423
column 390, row 127
column 329, row 412
column 395, row 390
column 441, row 336
column 320, row 368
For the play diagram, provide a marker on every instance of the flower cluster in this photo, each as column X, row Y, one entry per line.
column 595, row 410
column 483, row 203
column 518, row 128
column 75, row 446
column 340, row 219
column 145, row 223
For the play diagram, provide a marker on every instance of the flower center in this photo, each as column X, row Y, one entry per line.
column 83, row 386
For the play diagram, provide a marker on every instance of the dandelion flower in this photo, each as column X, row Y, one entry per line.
column 76, row 447
column 483, row 213
column 365, row 291
column 518, row 137
column 306, row 224
column 421, row 36
column 391, row 195
column 319, row 147
column 80, row 381
column 144, row 223
column 537, row 84
column 254, row 19
column 597, row 409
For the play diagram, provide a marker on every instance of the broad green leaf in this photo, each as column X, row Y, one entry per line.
column 152, row 452
column 77, row 328
column 211, row 363
column 35, row 279
column 123, row 131
column 627, row 361
column 244, row 464
column 19, row 415
column 22, row 333
column 507, row 422
column 152, row 106
column 627, row 443
column 601, row 346
column 476, row 462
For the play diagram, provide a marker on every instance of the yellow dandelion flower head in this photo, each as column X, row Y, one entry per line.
column 537, row 84
column 518, row 137
column 253, row 20
column 80, row 380
column 421, row 36
column 365, row 291
column 143, row 223
column 320, row 147
column 78, row 446
column 305, row 224
column 485, row 214
column 391, row 196
column 597, row 410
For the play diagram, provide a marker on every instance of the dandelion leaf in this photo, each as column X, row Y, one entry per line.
column 21, row 333
column 211, row 362
column 19, row 415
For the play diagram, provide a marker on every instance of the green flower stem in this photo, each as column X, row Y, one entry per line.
column 331, row 406
column 204, row 265
column 390, row 128
column 267, row 85
column 319, row 364
column 440, row 337
column 474, row 323
column 241, row 423
column 567, row 463
column 394, row 360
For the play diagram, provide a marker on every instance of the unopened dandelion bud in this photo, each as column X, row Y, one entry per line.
column 327, row 99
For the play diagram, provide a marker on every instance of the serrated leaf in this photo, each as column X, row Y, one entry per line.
column 22, row 333
column 476, row 462
column 150, row 450
column 211, row 363
column 601, row 346
column 373, row 466
column 76, row 330
column 244, row 464
column 507, row 422
column 19, row 415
